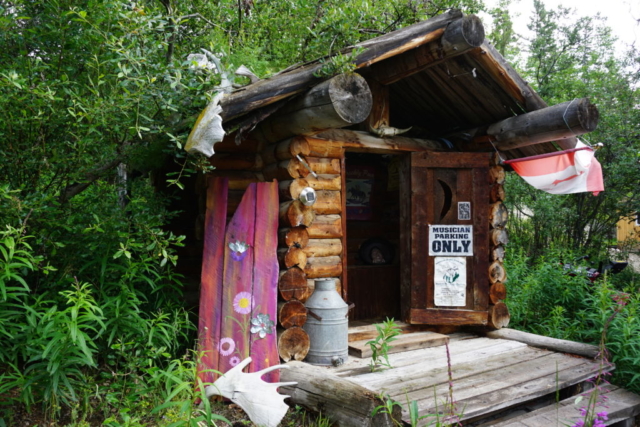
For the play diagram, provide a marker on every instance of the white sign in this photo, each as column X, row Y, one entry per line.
column 450, row 282
column 451, row 240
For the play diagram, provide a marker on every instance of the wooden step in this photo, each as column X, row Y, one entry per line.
column 406, row 342
column 364, row 330
column 620, row 405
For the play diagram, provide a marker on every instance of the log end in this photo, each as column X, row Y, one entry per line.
column 351, row 97
column 499, row 316
column 465, row 33
column 588, row 115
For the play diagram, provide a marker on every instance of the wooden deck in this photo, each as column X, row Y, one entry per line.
column 491, row 378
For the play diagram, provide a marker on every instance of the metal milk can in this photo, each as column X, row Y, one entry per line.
column 327, row 325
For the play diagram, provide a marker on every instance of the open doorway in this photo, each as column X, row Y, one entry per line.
column 373, row 234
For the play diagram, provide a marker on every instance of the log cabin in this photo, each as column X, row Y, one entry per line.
column 403, row 154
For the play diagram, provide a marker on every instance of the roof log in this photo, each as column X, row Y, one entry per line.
column 559, row 122
column 457, row 38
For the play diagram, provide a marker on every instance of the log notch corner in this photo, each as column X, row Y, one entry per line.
column 498, row 311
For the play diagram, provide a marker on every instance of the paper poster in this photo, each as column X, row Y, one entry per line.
column 450, row 281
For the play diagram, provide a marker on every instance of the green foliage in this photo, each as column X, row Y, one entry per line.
column 543, row 299
column 387, row 333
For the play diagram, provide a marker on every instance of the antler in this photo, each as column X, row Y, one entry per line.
column 258, row 398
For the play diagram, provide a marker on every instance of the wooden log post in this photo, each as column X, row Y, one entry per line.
column 341, row 101
column 325, row 227
column 292, row 313
column 292, row 257
column 295, row 236
column 293, row 343
column 293, row 214
column 330, row 266
column 292, row 284
column 342, row 401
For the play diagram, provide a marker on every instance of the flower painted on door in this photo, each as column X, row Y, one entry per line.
column 239, row 250
column 243, row 303
column 227, row 346
column 262, row 325
column 234, row 361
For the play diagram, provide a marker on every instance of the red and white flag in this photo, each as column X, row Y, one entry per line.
column 565, row 172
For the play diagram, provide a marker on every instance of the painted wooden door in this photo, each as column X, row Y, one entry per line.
column 238, row 301
column 445, row 212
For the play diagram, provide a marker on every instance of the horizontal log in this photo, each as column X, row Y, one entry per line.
column 553, row 344
column 364, row 142
column 327, row 202
column 294, row 236
column 458, row 38
column 498, row 316
column 299, row 78
column 285, row 150
column 236, row 161
column 343, row 100
column 292, row 257
column 323, row 247
column 324, row 166
column 293, row 344
column 498, row 215
column 292, row 284
column 290, row 189
column 325, row 227
column 324, row 148
column 325, row 182
column 330, row 266
column 293, row 214
column 285, row 170
column 342, row 401
column 248, row 144
column 499, row 236
column 497, row 292
column 497, row 273
column 291, row 313
column 566, row 120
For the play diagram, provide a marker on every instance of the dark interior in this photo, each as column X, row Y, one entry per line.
column 373, row 235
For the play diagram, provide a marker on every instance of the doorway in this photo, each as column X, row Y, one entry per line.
column 373, row 234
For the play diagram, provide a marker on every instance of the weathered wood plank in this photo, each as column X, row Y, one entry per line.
column 620, row 405
column 413, row 341
column 364, row 142
column 264, row 351
column 210, row 314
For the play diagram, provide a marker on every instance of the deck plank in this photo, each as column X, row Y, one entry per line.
column 490, row 392
column 405, row 342
column 620, row 405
